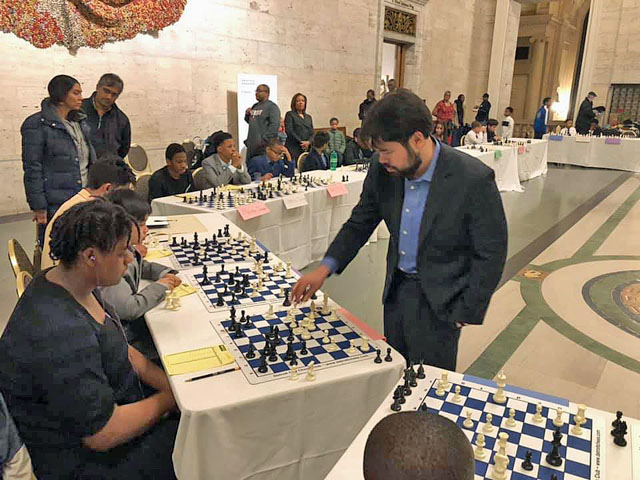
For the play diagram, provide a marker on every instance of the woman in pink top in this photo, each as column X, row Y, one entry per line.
column 445, row 111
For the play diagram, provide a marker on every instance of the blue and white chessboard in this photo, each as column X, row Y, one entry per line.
column 582, row 456
column 272, row 291
column 340, row 330
column 226, row 251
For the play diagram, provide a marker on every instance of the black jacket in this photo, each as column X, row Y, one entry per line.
column 298, row 130
column 111, row 133
column 463, row 235
column 365, row 107
column 314, row 162
column 354, row 154
column 585, row 115
column 483, row 111
column 50, row 158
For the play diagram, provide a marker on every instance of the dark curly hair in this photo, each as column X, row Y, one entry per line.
column 96, row 223
column 133, row 203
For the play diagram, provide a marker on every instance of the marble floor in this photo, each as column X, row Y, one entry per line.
column 566, row 317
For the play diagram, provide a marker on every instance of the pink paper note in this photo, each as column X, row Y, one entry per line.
column 253, row 210
column 337, row 189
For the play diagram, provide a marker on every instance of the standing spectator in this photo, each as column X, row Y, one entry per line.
column 174, row 177
column 585, row 114
column 391, row 86
column 508, row 123
column 483, row 111
column 337, row 142
column 299, row 127
column 275, row 161
column 542, row 118
column 282, row 132
column 317, row 159
column 445, row 112
column 263, row 119
column 56, row 151
column 438, row 130
column 459, row 103
column 356, row 150
column 476, row 135
column 568, row 129
column 110, row 127
column 492, row 126
column 225, row 165
column 367, row 104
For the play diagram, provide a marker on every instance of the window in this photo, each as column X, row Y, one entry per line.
column 522, row 53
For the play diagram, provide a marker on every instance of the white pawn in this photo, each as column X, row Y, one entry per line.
column 468, row 423
column 479, row 452
column 440, row 389
column 352, row 348
column 310, row 375
column 488, row 426
column 538, row 418
column 334, row 315
column 294, row 373
column 305, row 335
column 444, row 377
column 176, row 302
column 325, row 339
column 558, row 422
column 511, row 421
column 579, row 419
column 270, row 313
column 332, row 347
column 365, row 345
column 456, row 398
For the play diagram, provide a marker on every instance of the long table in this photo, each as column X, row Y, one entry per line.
column 595, row 152
column 504, row 162
column 231, row 429
column 594, row 448
column 532, row 158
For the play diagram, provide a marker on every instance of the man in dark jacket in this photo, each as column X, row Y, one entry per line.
column 448, row 233
column 356, row 151
column 585, row 114
column 483, row 111
column 264, row 120
column 367, row 104
column 110, row 127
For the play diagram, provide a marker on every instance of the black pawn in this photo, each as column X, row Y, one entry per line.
column 238, row 288
column 388, row 357
column 294, row 359
column 378, row 359
column 406, row 390
column 234, row 300
column 290, row 338
column 263, row 364
column 249, row 324
column 266, row 257
column 174, row 243
column 232, row 312
column 287, row 301
column 273, row 355
column 420, row 373
column 526, row 463
column 251, row 353
column 303, row 348
column 554, row 477
column 395, row 406
column 220, row 302
column 233, row 325
column 218, row 279
column 412, row 377
column 289, row 352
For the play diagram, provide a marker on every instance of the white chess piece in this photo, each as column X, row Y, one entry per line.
column 176, row 302
column 305, row 335
column 500, row 467
column 444, row 377
column 468, row 423
column 558, row 422
column 479, row 452
column 310, row 375
column 499, row 396
column 288, row 274
column 294, row 373
column 334, row 315
column 456, row 398
column 538, row 418
column 488, row 426
column 579, row 419
column 503, row 437
column 365, row 345
column 325, row 305
column 440, row 389
column 168, row 300
column 332, row 346
column 511, row 421
column 326, row 339
column 352, row 348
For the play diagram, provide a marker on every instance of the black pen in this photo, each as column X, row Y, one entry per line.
column 213, row 374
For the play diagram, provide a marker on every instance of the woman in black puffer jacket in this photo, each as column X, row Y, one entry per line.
column 56, row 151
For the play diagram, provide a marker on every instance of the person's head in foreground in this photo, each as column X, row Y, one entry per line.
column 138, row 209
column 418, row 446
column 91, row 242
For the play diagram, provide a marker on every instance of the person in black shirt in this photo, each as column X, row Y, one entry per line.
column 492, row 125
column 110, row 127
column 299, row 127
column 367, row 104
column 483, row 111
column 175, row 177
column 75, row 388
column 594, row 128
column 356, row 150
column 585, row 114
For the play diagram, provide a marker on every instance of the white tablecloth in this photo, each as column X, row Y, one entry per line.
column 595, row 152
column 505, row 167
column 230, row 429
column 301, row 235
column 532, row 158
column 617, row 461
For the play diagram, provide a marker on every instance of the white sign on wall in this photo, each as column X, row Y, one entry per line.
column 247, row 84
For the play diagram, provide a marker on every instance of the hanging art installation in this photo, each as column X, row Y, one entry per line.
column 86, row 23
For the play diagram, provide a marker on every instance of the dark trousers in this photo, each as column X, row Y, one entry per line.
column 411, row 326
column 538, row 135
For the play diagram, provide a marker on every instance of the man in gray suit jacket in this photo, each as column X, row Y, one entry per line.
column 448, row 230
column 225, row 166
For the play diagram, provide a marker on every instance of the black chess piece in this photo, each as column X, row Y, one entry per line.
column 420, row 375
column 233, row 325
column 412, row 377
column 526, row 463
column 266, row 257
column 619, row 432
column 554, row 477
column 195, row 240
column 238, row 288
column 226, row 227
column 239, row 332
column 174, row 243
column 183, row 242
column 618, row 419
column 287, row 300
column 232, row 280
column 234, row 300
column 289, row 352
column 388, row 357
column 225, row 292
column 205, row 276
column 553, row 457
column 290, row 338
column 218, row 279
column 243, row 318
column 424, row 407
column 233, row 312
column 251, row 353
column 276, row 335
column 263, row 364
column 303, row 348
column 378, row 359
column 294, row 359
column 249, row 324
column 220, row 302
column 273, row 354
column 406, row 389
column 214, row 240
column 395, row 406
column 184, row 199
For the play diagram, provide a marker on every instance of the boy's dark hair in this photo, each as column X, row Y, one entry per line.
column 273, row 142
column 475, row 124
column 492, row 122
column 509, row 109
column 110, row 168
column 332, row 119
column 486, row 95
column 396, row 117
column 218, row 138
column 356, row 133
column 173, row 149
column 320, row 139
column 415, row 446
column 136, row 206
column 96, row 224
column 546, row 99
column 59, row 87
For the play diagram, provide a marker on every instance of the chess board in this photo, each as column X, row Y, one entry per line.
column 228, row 250
column 340, row 330
column 272, row 290
column 582, row 455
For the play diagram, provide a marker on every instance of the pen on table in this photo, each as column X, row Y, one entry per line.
column 200, row 377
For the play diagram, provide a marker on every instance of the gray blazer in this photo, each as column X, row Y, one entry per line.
column 129, row 303
column 218, row 173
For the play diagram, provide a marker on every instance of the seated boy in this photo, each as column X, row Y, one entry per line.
column 128, row 300
column 418, row 446
column 476, row 135
column 568, row 130
column 492, row 125
column 275, row 161
column 318, row 158
column 174, row 177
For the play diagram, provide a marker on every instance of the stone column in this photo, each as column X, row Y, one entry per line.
column 538, row 47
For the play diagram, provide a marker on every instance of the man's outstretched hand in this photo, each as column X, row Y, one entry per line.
column 309, row 284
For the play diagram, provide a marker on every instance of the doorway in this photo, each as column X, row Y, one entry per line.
column 393, row 62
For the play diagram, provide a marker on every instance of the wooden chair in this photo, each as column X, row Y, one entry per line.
column 22, row 281
column 301, row 158
column 199, row 181
column 138, row 160
column 142, row 185
column 19, row 259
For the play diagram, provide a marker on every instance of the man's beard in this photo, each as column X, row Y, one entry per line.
column 411, row 170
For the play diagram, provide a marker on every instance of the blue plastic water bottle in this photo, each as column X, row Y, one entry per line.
column 333, row 163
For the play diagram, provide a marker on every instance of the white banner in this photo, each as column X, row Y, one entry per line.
column 247, row 84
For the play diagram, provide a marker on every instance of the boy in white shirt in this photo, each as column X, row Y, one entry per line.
column 476, row 135
column 507, row 124
column 568, row 129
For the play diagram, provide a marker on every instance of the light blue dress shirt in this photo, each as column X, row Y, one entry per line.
column 416, row 193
